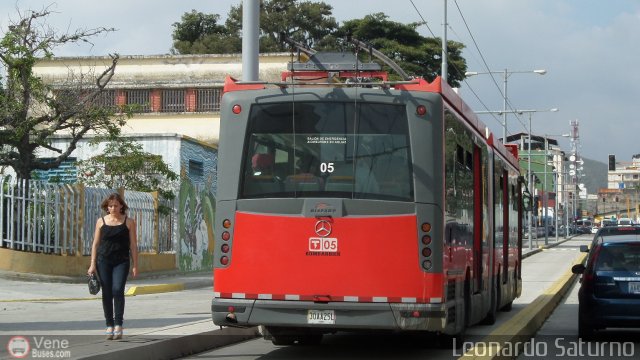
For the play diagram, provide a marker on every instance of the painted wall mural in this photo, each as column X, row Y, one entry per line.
column 196, row 227
column 196, row 207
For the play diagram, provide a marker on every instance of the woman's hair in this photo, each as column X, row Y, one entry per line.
column 116, row 197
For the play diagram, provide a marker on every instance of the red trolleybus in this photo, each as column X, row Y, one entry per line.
column 361, row 205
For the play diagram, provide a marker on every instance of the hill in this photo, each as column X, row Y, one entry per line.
column 595, row 175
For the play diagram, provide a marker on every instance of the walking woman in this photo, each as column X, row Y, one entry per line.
column 113, row 253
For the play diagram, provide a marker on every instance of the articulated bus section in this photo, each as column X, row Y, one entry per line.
column 362, row 208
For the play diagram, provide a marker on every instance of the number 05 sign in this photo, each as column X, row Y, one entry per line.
column 323, row 244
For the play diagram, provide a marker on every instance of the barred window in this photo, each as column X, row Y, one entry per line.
column 196, row 168
column 65, row 173
column 141, row 98
column 208, row 100
column 173, row 101
column 107, row 98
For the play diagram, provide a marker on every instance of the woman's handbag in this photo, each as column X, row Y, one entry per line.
column 94, row 284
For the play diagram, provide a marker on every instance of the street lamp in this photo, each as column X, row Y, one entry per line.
column 529, row 178
column 529, row 158
column 545, row 195
column 505, row 76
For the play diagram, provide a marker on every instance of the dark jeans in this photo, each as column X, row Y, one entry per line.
column 113, row 278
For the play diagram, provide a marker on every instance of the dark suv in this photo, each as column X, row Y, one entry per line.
column 609, row 294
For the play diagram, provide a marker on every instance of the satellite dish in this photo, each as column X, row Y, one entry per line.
column 572, row 172
column 572, row 158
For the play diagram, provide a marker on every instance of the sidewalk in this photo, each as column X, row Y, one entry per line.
column 159, row 324
column 29, row 287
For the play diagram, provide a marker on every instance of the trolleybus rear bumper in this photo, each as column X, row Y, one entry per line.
column 347, row 315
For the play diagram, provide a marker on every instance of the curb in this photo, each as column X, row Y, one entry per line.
column 543, row 247
column 174, row 348
column 154, row 289
column 524, row 325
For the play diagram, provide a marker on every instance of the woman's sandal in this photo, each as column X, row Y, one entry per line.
column 117, row 333
column 109, row 333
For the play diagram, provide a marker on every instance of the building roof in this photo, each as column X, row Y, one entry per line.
column 537, row 138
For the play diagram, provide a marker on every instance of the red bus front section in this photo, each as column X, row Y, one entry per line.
column 363, row 259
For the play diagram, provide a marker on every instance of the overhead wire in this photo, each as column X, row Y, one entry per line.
column 453, row 64
column 464, row 20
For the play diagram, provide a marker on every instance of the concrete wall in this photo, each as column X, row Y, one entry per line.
column 60, row 265
column 151, row 71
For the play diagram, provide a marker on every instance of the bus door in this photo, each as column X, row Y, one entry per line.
column 478, row 187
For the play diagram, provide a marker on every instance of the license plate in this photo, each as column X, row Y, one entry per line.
column 321, row 317
column 634, row 287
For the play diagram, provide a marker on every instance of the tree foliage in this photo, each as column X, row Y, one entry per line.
column 312, row 24
column 417, row 55
column 124, row 164
column 199, row 33
column 31, row 111
column 304, row 21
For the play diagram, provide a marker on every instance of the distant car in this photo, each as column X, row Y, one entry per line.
column 609, row 294
column 594, row 229
column 625, row 221
column 583, row 230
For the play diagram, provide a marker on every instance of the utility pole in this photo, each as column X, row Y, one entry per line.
column 444, row 73
column 250, row 41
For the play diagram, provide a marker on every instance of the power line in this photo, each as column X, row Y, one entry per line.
column 475, row 43
column 453, row 64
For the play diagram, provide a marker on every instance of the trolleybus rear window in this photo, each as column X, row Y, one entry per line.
column 327, row 149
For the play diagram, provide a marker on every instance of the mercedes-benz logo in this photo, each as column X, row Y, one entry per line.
column 323, row 228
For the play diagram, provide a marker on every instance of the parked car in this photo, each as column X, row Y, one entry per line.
column 583, row 230
column 609, row 294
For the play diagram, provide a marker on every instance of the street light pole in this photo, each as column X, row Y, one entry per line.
column 529, row 173
column 545, row 196
column 505, row 99
column 504, row 107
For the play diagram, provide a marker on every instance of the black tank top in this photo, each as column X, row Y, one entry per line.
column 114, row 242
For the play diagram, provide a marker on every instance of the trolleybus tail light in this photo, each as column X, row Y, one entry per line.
column 224, row 248
column 426, row 240
column 224, row 260
column 421, row 110
column 426, row 252
column 236, row 109
column 226, row 236
column 226, row 223
column 426, row 227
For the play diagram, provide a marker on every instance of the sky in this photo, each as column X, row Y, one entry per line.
column 589, row 49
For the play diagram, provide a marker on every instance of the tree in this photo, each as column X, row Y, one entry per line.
column 417, row 55
column 199, row 33
column 31, row 110
column 304, row 21
column 312, row 25
column 124, row 164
